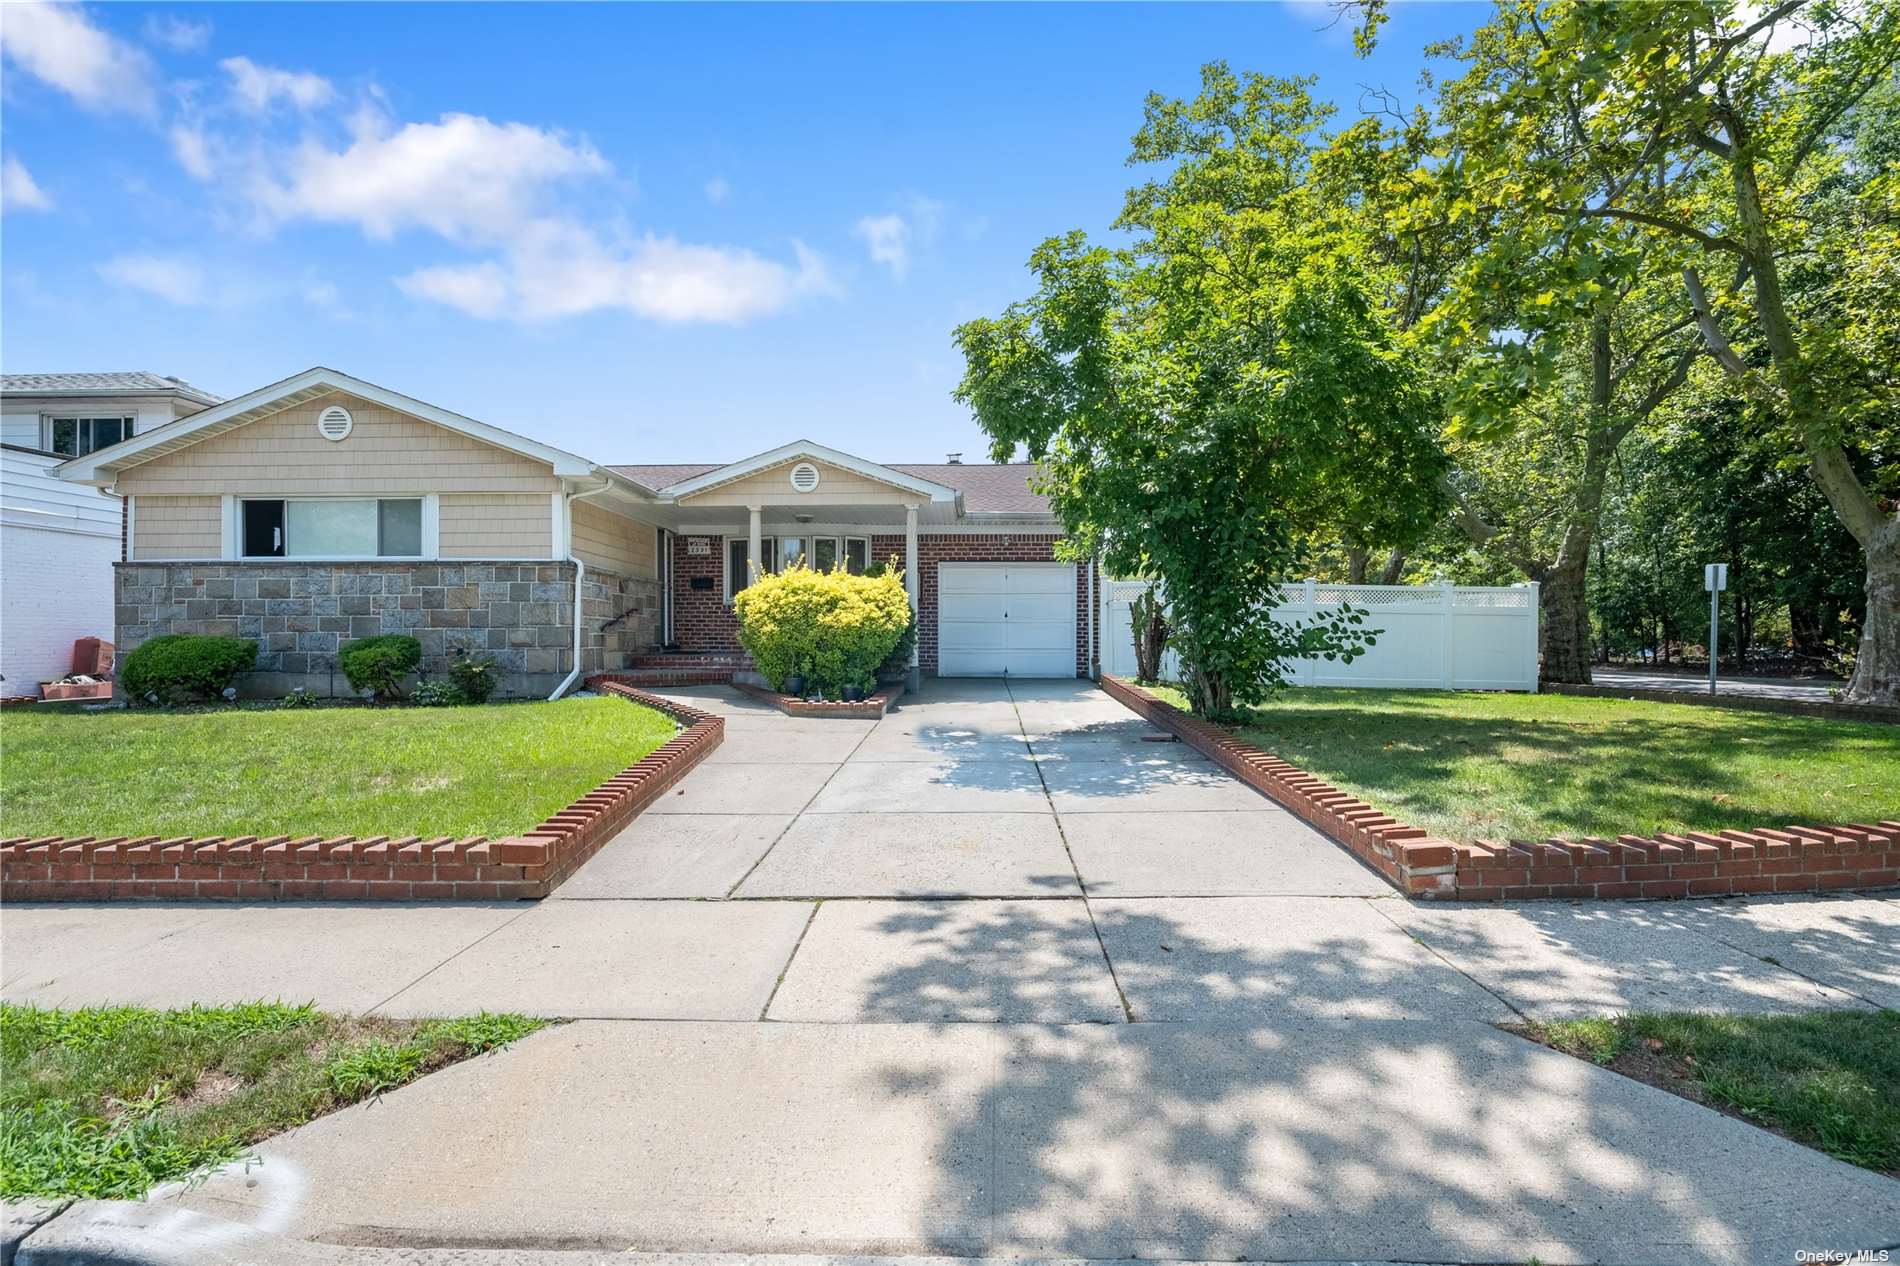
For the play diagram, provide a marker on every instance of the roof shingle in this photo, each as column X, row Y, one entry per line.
column 136, row 382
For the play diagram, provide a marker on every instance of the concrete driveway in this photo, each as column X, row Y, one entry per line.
column 999, row 975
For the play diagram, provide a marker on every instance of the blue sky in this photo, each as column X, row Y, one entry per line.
column 645, row 233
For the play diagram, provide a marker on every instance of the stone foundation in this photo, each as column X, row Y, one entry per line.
column 301, row 614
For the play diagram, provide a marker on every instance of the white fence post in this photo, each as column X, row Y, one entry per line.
column 1447, row 669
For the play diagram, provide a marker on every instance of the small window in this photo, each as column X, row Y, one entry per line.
column 333, row 528
column 76, row 437
column 791, row 552
column 857, row 554
column 824, row 553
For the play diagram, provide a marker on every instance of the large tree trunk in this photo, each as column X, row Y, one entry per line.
column 1566, row 629
column 1565, row 632
column 1876, row 677
column 1356, row 556
column 1394, row 568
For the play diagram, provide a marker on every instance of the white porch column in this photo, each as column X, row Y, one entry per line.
column 753, row 553
column 911, row 584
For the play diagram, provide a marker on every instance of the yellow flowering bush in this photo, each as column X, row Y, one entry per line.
column 829, row 627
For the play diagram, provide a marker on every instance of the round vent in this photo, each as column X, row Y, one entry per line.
column 334, row 423
column 804, row 477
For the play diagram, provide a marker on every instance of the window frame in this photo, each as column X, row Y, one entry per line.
column 82, row 428
column 769, row 545
column 233, row 534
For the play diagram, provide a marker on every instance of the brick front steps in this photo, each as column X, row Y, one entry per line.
column 1694, row 864
column 872, row 708
column 357, row 868
column 685, row 669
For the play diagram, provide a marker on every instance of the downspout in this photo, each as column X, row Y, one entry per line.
column 1090, row 658
column 580, row 572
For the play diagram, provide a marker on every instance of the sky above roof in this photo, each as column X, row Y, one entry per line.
column 648, row 234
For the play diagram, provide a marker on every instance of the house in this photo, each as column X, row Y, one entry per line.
column 324, row 508
column 60, row 539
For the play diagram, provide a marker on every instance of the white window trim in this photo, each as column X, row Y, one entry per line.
column 130, row 420
column 231, row 528
column 725, row 550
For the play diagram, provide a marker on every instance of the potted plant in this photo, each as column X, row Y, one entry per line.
column 795, row 682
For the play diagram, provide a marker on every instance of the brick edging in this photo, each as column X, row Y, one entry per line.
column 356, row 868
column 1871, row 713
column 872, row 706
column 1692, row 864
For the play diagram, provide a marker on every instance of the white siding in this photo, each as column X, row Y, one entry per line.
column 58, row 542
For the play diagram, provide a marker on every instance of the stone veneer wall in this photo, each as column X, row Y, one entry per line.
column 301, row 614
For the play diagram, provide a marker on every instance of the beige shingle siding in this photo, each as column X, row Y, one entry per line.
column 609, row 542
column 496, row 525
column 176, row 527
column 386, row 453
column 773, row 486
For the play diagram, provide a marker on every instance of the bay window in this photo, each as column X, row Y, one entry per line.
column 331, row 527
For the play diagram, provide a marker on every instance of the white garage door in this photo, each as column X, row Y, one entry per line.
column 1006, row 619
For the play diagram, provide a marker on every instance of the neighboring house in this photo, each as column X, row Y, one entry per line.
column 58, row 540
column 324, row 508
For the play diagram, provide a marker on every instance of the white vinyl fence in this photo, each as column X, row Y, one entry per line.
column 1431, row 637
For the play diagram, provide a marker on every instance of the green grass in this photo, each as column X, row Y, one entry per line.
column 495, row 770
column 107, row 1102
column 1474, row 766
column 1830, row 1079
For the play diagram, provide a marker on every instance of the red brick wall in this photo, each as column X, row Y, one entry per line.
column 701, row 619
column 703, row 622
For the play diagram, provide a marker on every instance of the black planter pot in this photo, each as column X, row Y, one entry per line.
column 853, row 693
column 795, row 686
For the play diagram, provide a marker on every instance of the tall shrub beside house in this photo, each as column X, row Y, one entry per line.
column 832, row 628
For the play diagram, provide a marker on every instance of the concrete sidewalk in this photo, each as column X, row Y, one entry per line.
column 1374, row 1141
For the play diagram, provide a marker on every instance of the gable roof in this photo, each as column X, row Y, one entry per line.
column 134, row 383
column 102, row 466
column 1001, row 488
column 928, row 489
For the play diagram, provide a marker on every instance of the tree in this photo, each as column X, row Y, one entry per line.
column 1222, row 390
column 1700, row 132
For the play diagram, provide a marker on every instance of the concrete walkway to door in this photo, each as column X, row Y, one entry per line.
column 997, row 975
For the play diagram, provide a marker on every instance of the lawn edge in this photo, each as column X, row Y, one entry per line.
column 1848, row 857
column 362, row 868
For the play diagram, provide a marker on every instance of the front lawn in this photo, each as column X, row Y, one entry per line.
column 492, row 770
column 107, row 1102
column 1830, row 1079
column 1476, row 766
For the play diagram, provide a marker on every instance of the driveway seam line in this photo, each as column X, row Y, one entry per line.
column 451, row 958
column 794, row 822
column 1431, row 949
column 786, row 970
column 1128, row 1012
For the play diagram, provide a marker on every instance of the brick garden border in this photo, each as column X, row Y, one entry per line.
column 359, row 868
column 1693, row 864
column 872, row 707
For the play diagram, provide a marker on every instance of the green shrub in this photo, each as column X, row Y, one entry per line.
column 174, row 666
column 378, row 664
column 438, row 694
column 298, row 698
column 832, row 628
column 475, row 674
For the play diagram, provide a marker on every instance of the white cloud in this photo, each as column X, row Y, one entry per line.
column 464, row 177
column 557, row 268
column 176, row 33
column 192, row 148
column 18, row 190
column 170, row 277
column 891, row 238
column 258, row 88
column 56, row 44
column 717, row 190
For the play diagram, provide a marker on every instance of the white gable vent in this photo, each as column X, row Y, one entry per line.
column 804, row 477
column 334, row 423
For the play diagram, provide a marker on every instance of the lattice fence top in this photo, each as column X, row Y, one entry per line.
column 1373, row 597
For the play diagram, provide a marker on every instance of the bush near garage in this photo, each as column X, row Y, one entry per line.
column 832, row 628
column 180, row 666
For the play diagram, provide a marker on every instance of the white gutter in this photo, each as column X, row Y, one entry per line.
column 580, row 572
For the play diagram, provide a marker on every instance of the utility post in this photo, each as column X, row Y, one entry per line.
column 1715, row 580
